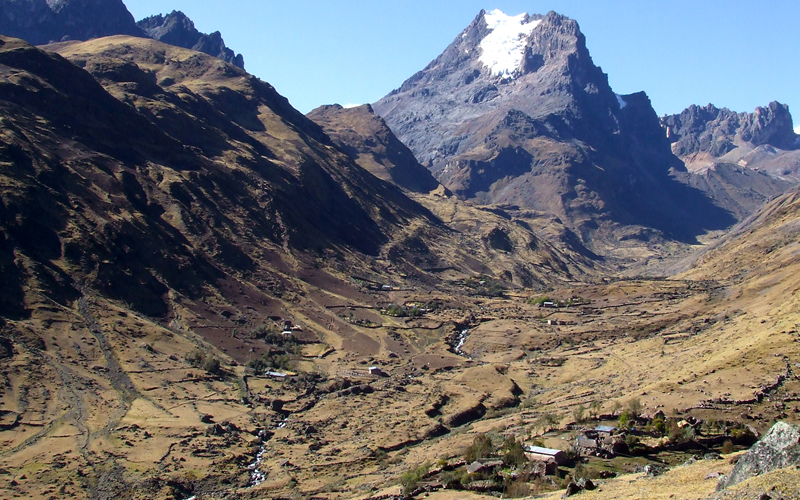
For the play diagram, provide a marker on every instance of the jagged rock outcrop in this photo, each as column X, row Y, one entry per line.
column 366, row 138
column 44, row 21
column 764, row 139
column 515, row 111
column 779, row 448
column 177, row 29
column 709, row 129
column 40, row 22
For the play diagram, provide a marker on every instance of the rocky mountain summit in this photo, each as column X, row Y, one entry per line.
column 514, row 111
column 45, row 21
column 177, row 29
column 763, row 140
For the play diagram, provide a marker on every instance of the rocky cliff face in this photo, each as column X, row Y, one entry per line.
column 764, row 139
column 515, row 111
column 177, row 29
column 44, row 21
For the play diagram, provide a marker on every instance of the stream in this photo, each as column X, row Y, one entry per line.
column 257, row 476
column 458, row 343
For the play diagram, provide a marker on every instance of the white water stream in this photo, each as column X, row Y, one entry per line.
column 460, row 340
column 257, row 476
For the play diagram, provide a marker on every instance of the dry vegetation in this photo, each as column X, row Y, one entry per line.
column 102, row 401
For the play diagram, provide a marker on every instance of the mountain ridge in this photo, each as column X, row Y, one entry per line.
column 762, row 140
column 41, row 22
column 177, row 29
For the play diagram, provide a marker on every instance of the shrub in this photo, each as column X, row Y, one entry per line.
column 450, row 480
column 678, row 434
column 518, row 489
column 272, row 361
column 595, row 407
column 579, row 414
column 212, row 365
column 514, row 453
column 634, row 407
column 198, row 359
column 546, row 421
column 539, row 300
column 625, row 420
column 410, row 479
column 481, row 447
column 633, row 444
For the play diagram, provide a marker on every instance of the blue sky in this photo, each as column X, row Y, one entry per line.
column 730, row 53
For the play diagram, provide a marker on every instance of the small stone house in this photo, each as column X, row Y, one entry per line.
column 600, row 442
column 478, row 466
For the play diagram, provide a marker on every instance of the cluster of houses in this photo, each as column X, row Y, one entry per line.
column 602, row 441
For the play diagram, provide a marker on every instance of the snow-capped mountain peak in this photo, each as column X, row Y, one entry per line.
column 503, row 48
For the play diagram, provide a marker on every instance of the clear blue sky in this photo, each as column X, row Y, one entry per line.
column 733, row 53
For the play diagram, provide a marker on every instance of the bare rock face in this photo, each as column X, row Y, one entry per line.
column 514, row 111
column 716, row 131
column 44, row 21
column 41, row 22
column 779, row 448
column 763, row 140
column 177, row 29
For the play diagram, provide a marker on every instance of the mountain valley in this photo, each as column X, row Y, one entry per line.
column 208, row 294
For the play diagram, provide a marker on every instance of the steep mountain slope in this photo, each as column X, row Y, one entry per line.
column 177, row 29
column 762, row 140
column 367, row 138
column 514, row 111
column 739, row 190
column 761, row 250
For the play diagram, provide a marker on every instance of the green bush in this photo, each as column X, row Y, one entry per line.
column 634, row 408
column 514, row 453
column 547, row 421
column 410, row 479
column 272, row 361
column 625, row 420
column 199, row 359
column 481, row 447
column 595, row 407
column 579, row 414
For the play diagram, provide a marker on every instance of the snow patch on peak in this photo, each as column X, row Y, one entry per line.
column 503, row 48
column 621, row 101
